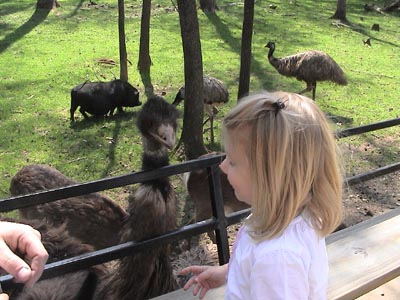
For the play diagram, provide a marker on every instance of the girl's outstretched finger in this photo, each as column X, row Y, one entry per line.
column 189, row 283
column 3, row 297
column 198, row 287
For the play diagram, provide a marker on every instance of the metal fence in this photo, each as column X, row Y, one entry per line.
column 219, row 222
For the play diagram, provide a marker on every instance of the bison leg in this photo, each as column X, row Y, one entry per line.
column 72, row 112
column 74, row 106
column 83, row 112
column 119, row 110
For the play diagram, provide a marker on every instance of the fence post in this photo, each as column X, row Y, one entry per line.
column 217, row 204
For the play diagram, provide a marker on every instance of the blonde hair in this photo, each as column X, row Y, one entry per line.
column 293, row 161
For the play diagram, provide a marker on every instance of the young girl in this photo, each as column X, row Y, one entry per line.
column 281, row 159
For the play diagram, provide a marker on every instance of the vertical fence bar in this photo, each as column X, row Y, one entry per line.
column 214, row 177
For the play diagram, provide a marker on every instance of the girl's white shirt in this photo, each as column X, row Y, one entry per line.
column 293, row 266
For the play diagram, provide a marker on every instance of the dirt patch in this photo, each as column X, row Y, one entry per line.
column 371, row 198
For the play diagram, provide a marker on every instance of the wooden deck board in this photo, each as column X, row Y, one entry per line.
column 364, row 258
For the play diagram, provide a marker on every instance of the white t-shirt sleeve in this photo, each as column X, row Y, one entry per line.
column 280, row 275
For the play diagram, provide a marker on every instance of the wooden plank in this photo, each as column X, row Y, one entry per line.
column 214, row 294
column 364, row 257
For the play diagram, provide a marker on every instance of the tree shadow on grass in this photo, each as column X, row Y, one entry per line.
column 118, row 120
column 257, row 67
column 78, row 6
column 337, row 119
column 91, row 121
column 36, row 19
column 148, row 85
column 363, row 31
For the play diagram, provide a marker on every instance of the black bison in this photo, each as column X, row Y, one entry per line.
column 101, row 98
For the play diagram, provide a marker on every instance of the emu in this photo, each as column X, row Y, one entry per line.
column 152, row 212
column 215, row 94
column 93, row 218
column 310, row 66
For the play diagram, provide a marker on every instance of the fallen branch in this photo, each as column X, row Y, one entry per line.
column 75, row 160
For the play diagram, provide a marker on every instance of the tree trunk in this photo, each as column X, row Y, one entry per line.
column 47, row 4
column 123, row 61
column 192, row 133
column 144, row 62
column 340, row 13
column 393, row 6
column 245, row 54
column 208, row 6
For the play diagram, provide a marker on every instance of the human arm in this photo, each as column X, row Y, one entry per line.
column 22, row 239
column 205, row 278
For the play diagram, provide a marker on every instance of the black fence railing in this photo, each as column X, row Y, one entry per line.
column 218, row 222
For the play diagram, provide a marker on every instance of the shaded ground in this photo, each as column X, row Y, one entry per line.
column 371, row 198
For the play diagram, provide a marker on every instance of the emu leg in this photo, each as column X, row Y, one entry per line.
column 313, row 91
column 212, row 128
column 310, row 87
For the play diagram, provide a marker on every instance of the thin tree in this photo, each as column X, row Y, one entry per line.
column 340, row 13
column 245, row 52
column 47, row 4
column 208, row 6
column 123, row 57
column 192, row 132
column 144, row 62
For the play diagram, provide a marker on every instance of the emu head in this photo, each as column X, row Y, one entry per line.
column 270, row 45
column 179, row 96
column 157, row 122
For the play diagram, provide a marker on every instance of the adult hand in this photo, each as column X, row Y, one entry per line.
column 25, row 240
column 205, row 278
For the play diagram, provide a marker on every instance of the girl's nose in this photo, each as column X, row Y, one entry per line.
column 223, row 166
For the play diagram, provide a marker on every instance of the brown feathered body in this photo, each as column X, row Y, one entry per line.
column 310, row 66
column 152, row 212
column 93, row 218
column 215, row 94
column 71, row 286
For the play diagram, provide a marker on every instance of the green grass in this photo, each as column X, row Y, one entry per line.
column 42, row 56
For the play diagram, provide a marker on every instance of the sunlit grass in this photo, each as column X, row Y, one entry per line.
column 42, row 58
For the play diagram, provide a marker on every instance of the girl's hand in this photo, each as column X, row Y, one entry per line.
column 3, row 297
column 205, row 278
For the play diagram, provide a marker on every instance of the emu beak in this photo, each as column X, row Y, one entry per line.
column 165, row 136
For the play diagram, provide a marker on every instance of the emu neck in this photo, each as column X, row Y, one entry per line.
column 154, row 155
column 271, row 53
column 273, row 60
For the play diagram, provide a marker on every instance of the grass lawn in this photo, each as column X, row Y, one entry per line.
column 42, row 56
